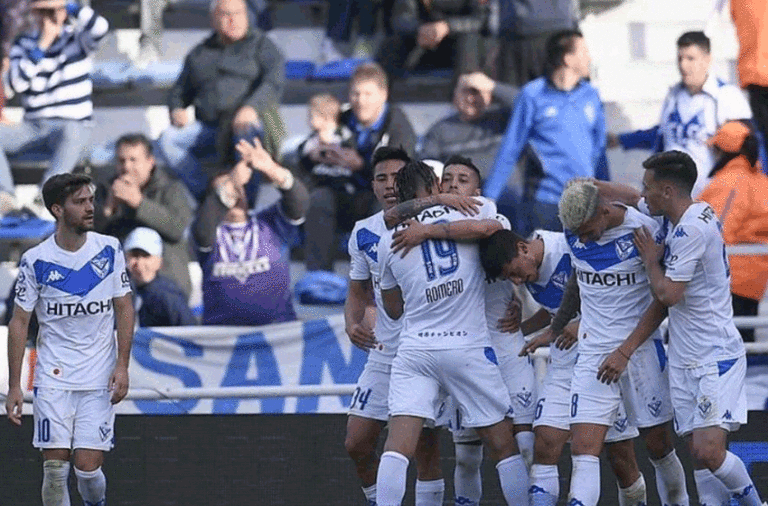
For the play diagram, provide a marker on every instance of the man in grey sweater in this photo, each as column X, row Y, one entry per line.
column 235, row 80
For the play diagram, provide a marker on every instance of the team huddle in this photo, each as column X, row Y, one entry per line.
column 432, row 298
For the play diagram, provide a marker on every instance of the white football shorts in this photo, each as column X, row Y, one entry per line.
column 710, row 395
column 422, row 378
column 643, row 388
column 72, row 419
column 370, row 399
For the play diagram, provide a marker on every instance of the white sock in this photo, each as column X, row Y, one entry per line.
column 585, row 480
column 525, row 441
column 92, row 486
column 55, row 489
column 545, row 485
column 390, row 480
column 513, row 477
column 635, row 494
column 670, row 480
column 733, row 474
column 711, row 491
column 430, row 493
column 467, row 481
column 370, row 494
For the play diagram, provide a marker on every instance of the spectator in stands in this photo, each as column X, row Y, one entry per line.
column 751, row 20
column 13, row 14
column 144, row 195
column 49, row 69
column 151, row 27
column 159, row 301
column 476, row 128
column 558, row 119
column 374, row 122
column 318, row 155
column 235, row 80
column 693, row 110
column 431, row 34
column 524, row 27
column 738, row 192
column 245, row 255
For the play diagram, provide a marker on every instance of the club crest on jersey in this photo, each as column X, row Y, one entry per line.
column 559, row 279
column 624, row 247
column 654, row 406
column 705, row 406
column 524, row 398
column 620, row 424
column 368, row 242
column 101, row 264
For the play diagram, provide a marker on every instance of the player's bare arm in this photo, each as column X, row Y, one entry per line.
column 510, row 321
column 393, row 302
column 668, row 292
column 18, row 328
column 463, row 230
column 124, row 321
column 568, row 309
column 617, row 192
column 615, row 363
column 468, row 206
column 356, row 322
column 536, row 322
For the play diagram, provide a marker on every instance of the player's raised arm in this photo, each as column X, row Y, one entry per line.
column 17, row 339
column 665, row 290
column 124, row 317
column 462, row 230
column 468, row 206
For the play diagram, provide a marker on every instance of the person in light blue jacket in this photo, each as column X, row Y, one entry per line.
column 559, row 124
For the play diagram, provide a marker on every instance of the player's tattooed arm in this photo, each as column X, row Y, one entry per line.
column 568, row 307
column 468, row 206
column 462, row 230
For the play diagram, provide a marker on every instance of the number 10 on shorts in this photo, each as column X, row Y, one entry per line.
column 43, row 430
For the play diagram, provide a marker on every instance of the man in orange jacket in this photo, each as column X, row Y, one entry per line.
column 738, row 192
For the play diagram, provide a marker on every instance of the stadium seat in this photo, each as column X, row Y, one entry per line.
column 299, row 69
column 339, row 70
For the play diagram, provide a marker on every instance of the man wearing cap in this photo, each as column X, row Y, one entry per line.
column 159, row 301
column 50, row 69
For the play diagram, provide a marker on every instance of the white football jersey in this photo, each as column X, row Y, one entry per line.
column 443, row 286
column 688, row 121
column 547, row 290
column 701, row 328
column 364, row 254
column 614, row 287
column 498, row 294
column 71, row 294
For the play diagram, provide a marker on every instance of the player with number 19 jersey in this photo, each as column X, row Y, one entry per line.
column 444, row 341
column 71, row 294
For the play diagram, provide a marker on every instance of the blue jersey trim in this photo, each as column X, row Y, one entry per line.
column 76, row 282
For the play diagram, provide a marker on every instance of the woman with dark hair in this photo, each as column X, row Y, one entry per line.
column 738, row 191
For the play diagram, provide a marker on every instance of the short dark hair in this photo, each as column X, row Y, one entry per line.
column 135, row 139
column 465, row 161
column 695, row 39
column 59, row 187
column 385, row 153
column 673, row 166
column 497, row 250
column 558, row 45
column 414, row 176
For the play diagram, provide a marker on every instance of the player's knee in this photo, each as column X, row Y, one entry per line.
column 709, row 454
column 88, row 460
column 621, row 456
column 658, row 441
column 55, row 477
column 546, row 449
column 428, row 456
column 359, row 447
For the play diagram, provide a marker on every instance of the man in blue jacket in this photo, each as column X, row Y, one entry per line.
column 558, row 121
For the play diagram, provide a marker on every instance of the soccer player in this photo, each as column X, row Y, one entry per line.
column 444, row 346
column 369, row 412
column 461, row 177
column 615, row 293
column 706, row 354
column 543, row 265
column 76, row 283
